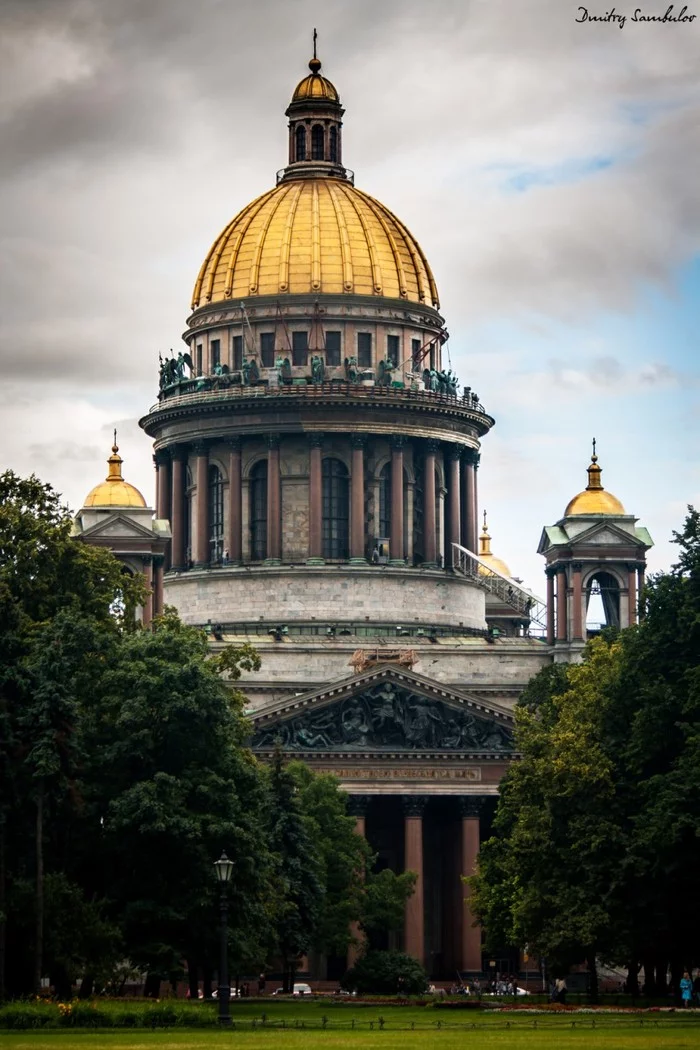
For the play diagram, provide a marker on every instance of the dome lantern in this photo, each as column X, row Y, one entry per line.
column 594, row 499
column 315, row 127
column 486, row 555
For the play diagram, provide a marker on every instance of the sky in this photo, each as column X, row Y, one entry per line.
column 547, row 164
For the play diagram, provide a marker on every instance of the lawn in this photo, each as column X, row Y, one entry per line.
column 491, row 1031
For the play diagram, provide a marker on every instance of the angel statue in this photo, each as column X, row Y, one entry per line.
column 351, row 369
column 284, row 370
column 384, row 371
column 182, row 360
column 317, row 369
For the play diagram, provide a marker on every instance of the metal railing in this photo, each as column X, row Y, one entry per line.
column 524, row 602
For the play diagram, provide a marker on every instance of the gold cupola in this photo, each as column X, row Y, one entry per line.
column 114, row 491
column 594, row 499
column 486, row 555
column 315, row 233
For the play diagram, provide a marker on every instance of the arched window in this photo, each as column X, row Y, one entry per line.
column 334, row 144
column 258, row 511
column 216, row 515
column 300, row 138
column 317, row 142
column 385, row 501
column 604, row 589
column 335, row 509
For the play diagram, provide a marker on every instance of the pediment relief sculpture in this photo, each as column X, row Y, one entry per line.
column 388, row 718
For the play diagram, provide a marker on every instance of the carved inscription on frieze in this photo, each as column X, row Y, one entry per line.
column 389, row 718
column 403, row 773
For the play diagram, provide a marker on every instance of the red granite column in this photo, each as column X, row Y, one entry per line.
column 357, row 501
column 632, row 584
column 551, row 573
column 148, row 577
column 414, row 923
column 475, row 502
column 561, row 604
column 274, row 545
column 396, row 540
column 429, row 523
column 234, row 536
column 454, row 496
column 577, row 618
column 177, row 512
column 315, row 499
column 201, row 472
column 162, row 461
column 357, row 808
column 471, row 806
column 158, row 585
column 469, row 530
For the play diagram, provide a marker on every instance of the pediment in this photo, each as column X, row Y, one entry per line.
column 604, row 535
column 385, row 710
column 119, row 526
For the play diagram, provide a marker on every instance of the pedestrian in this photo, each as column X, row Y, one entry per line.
column 560, row 990
column 686, row 989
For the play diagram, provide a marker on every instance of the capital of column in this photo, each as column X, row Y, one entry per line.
column 200, row 448
column 414, row 805
column 468, row 455
column 577, row 566
column 234, row 444
column 398, row 441
column 158, row 559
column 147, row 559
column 359, row 441
column 316, row 439
column 358, row 805
column 477, row 460
column 273, row 441
column 471, row 805
column 178, row 452
column 161, row 457
column 550, row 572
column 432, row 445
column 455, row 452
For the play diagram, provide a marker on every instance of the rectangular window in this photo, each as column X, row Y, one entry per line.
column 237, row 353
column 392, row 350
column 198, row 359
column 267, row 349
column 415, row 355
column 215, row 353
column 300, row 347
column 364, row 349
column 332, row 348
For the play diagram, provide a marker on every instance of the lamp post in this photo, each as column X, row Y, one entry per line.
column 224, row 869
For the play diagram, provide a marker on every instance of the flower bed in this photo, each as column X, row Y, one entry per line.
column 102, row 1013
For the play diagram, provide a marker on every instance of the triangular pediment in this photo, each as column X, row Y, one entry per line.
column 120, row 526
column 385, row 710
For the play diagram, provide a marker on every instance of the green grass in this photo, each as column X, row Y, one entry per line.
column 490, row 1031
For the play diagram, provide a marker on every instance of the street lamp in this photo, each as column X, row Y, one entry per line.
column 224, row 869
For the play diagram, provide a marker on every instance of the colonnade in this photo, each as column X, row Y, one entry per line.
column 470, row 809
column 460, row 469
column 566, row 605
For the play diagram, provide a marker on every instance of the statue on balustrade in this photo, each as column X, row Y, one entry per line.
column 172, row 369
column 284, row 371
column 351, row 373
column 391, row 718
column 317, row 369
column 385, row 371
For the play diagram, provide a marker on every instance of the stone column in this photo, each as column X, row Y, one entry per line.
column 234, row 532
column 454, row 490
column 470, row 809
column 177, row 512
column 577, row 617
column 632, row 585
column 357, row 501
column 274, row 545
column 475, row 503
column 469, row 525
column 561, row 603
column 396, row 540
column 551, row 573
column 202, row 554
column 641, row 585
column 429, row 497
column 357, row 808
column 315, row 500
column 147, row 561
column 162, row 461
column 159, row 563
column 414, row 923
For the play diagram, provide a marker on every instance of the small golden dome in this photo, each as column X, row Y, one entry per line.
column 315, row 235
column 492, row 562
column 315, row 86
column 594, row 499
column 114, row 491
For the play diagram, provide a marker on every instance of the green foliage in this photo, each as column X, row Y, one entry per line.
column 383, row 899
column 597, row 833
column 386, row 973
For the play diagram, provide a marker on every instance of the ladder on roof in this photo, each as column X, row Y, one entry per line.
column 527, row 604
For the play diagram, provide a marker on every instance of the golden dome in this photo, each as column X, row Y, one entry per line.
column 485, row 553
column 315, row 235
column 114, row 491
column 315, row 86
column 594, row 499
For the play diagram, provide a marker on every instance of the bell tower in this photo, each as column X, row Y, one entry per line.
column 595, row 550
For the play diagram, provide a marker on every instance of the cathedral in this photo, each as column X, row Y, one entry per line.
column 317, row 476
